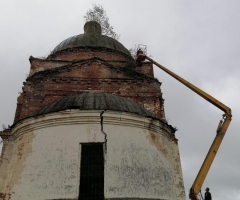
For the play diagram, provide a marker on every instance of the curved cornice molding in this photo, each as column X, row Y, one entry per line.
column 74, row 117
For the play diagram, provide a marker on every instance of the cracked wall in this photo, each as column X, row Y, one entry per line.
column 140, row 162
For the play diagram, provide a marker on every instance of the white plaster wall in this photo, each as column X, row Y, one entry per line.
column 139, row 159
column 134, row 167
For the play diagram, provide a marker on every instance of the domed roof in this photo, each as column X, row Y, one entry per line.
column 95, row 101
column 91, row 38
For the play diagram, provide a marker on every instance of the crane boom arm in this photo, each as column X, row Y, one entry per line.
column 222, row 127
column 200, row 92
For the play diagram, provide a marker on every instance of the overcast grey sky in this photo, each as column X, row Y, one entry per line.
column 199, row 40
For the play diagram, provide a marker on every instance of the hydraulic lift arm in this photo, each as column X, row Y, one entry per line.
column 221, row 130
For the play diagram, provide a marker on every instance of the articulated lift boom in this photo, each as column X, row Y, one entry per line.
column 221, row 130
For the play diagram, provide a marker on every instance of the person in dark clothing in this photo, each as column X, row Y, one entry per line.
column 208, row 195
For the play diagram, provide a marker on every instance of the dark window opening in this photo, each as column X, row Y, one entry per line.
column 92, row 172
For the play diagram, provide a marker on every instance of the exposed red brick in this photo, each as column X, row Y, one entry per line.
column 18, row 112
column 87, row 70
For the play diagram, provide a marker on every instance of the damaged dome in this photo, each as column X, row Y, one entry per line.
column 91, row 38
column 95, row 101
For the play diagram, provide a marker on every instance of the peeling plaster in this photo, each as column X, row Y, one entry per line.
column 22, row 149
column 142, row 159
column 155, row 140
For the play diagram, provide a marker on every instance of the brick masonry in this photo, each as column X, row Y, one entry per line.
column 81, row 70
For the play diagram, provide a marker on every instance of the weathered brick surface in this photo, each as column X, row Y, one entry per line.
column 38, row 65
column 146, row 69
column 18, row 111
column 87, row 53
column 85, row 71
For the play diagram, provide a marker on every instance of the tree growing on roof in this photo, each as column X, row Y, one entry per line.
column 98, row 14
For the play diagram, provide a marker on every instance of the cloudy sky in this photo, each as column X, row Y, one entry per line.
column 198, row 40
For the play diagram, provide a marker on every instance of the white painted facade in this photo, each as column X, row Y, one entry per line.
column 42, row 156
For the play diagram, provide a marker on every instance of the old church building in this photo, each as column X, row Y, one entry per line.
column 90, row 124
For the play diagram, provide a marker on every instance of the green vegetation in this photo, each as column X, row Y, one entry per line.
column 98, row 14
